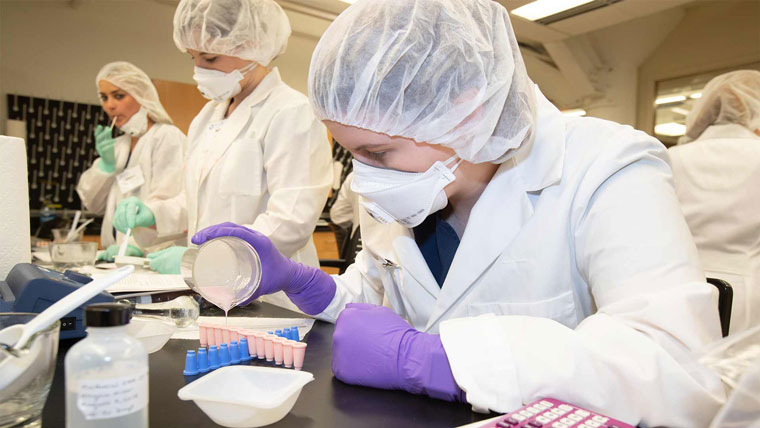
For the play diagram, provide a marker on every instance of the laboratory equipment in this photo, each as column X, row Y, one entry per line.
column 226, row 271
column 202, row 360
column 213, row 358
column 153, row 333
column 32, row 288
column 73, row 254
column 138, row 262
column 191, row 364
column 556, row 414
column 224, row 355
column 17, row 360
column 245, row 354
column 234, row 352
column 107, row 373
column 62, row 234
column 246, row 396
column 22, row 402
column 182, row 311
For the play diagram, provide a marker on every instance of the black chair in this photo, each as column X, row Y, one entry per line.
column 725, row 300
column 347, row 252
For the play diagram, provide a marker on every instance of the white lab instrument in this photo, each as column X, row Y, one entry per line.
column 226, row 271
column 16, row 359
column 246, row 396
column 107, row 373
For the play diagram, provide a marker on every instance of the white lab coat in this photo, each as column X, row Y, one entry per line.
column 576, row 278
column 267, row 166
column 159, row 153
column 717, row 180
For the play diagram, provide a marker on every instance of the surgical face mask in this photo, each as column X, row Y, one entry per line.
column 137, row 124
column 405, row 197
column 220, row 86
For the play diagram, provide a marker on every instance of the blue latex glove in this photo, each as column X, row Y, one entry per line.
column 167, row 260
column 308, row 287
column 373, row 346
column 104, row 144
column 113, row 251
column 131, row 213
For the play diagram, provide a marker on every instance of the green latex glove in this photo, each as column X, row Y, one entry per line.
column 104, row 145
column 167, row 260
column 113, row 251
column 131, row 213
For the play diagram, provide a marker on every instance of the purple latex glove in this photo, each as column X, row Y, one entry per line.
column 373, row 346
column 308, row 287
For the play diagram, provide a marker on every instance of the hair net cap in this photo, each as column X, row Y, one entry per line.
column 731, row 98
column 135, row 82
column 256, row 30
column 443, row 72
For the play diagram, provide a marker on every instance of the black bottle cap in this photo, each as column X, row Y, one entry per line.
column 106, row 315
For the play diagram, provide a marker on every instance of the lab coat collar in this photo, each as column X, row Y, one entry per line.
column 504, row 207
column 540, row 162
column 727, row 131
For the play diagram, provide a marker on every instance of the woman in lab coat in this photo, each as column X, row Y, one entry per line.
column 717, row 180
column 258, row 156
column 516, row 253
column 144, row 164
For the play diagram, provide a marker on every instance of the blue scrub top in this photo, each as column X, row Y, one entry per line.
column 438, row 243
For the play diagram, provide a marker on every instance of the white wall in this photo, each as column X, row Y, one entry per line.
column 54, row 50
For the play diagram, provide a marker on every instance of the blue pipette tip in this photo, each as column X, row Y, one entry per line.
column 294, row 332
column 234, row 352
column 245, row 355
column 270, row 332
column 224, row 355
column 191, row 364
column 278, row 333
column 286, row 333
column 202, row 360
column 213, row 357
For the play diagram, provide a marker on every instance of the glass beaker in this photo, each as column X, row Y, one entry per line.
column 226, row 271
column 27, row 395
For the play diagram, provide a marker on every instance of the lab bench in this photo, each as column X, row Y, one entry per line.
column 325, row 402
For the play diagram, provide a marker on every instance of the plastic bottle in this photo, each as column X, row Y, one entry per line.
column 107, row 373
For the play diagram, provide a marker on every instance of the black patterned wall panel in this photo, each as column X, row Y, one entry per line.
column 59, row 144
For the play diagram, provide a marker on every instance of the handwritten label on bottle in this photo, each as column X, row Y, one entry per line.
column 112, row 398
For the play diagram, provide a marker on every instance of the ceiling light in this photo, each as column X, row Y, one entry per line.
column 670, row 99
column 538, row 9
column 695, row 95
column 670, row 129
column 574, row 112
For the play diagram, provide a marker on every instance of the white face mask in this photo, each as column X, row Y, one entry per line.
column 220, row 86
column 405, row 197
column 137, row 124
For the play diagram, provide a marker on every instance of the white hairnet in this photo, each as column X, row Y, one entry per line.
column 731, row 98
column 256, row 30
column 444, row 72
column 135, row 82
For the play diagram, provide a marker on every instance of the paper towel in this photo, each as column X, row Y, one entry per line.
column 15, row 246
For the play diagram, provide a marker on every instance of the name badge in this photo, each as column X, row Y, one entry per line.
column 130, row 179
